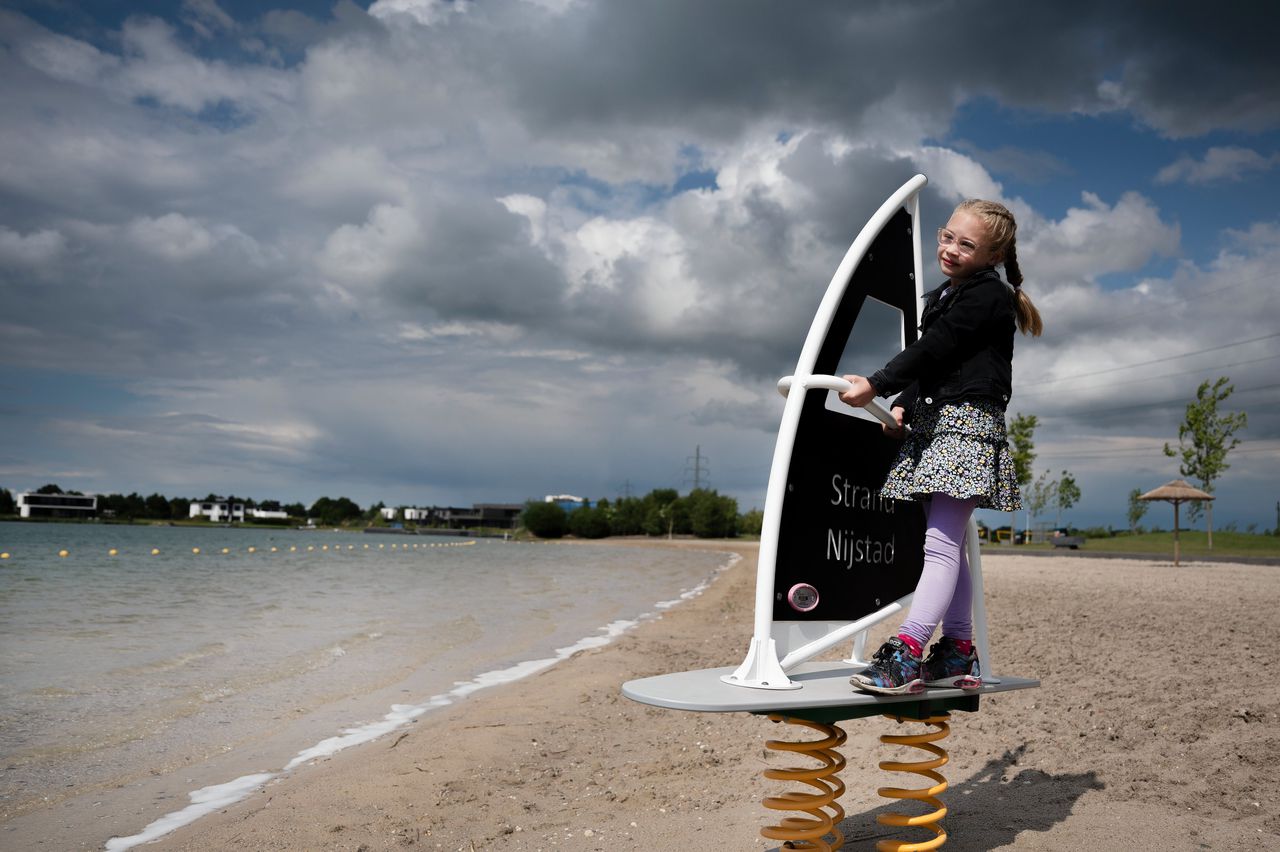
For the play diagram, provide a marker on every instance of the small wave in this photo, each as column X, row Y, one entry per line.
column 53, row 692
column 218, row 694
column 213, row 649
column 206, row 800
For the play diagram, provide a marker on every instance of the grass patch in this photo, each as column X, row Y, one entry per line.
column 1190, row 543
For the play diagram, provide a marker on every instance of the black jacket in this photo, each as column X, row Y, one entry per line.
column 965, row 349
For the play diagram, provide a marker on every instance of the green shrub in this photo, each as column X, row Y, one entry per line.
column 545, row 520
column 589, row 522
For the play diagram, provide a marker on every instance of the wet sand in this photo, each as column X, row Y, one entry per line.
column 1155, row 727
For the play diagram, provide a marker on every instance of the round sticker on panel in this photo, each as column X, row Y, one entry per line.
column 802, row 597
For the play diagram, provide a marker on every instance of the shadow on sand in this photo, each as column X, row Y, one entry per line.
column 986, row 811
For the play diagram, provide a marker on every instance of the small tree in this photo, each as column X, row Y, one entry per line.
column 711, row 515
column 751, row 523
column 135, row 506
column 1204, row 439
column 680, row 517
column 1137, row 508
column 628, row 516
column 157, row 506
column 1041, row 493
column 333, row 513
column 662, row 510
column 1066, row 495
column 8, row 505
column 1021, row 431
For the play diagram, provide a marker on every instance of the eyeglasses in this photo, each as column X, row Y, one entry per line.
column 946, row 239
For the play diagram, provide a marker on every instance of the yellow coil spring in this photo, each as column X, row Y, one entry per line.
column 928, row 795
column 807, row 832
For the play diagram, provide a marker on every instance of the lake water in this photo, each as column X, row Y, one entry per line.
column 219, row 670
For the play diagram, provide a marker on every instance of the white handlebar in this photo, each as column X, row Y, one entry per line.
column 838, row 385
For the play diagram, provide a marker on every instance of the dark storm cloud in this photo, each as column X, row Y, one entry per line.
column 473, row 260
column 1182, row 67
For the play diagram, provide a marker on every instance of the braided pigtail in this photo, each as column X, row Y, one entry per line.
column 1028, row 318
column 1012, row 272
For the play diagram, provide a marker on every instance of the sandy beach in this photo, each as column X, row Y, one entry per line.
column 1155, row 727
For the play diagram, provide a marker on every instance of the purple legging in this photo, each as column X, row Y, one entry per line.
column 945, row 591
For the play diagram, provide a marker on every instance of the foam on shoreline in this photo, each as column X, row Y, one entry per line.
column 206, row 800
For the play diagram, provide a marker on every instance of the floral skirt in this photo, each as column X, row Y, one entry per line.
column 961, row 450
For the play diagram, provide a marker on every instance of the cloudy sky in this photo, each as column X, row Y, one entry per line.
column 450, row 252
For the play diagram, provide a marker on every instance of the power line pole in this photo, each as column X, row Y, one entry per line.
column 626, row 489
column 698, row 468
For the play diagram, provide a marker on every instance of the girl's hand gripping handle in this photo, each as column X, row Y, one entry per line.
column 892, row 423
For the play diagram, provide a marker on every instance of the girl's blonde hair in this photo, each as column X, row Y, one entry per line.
column 1004, row 238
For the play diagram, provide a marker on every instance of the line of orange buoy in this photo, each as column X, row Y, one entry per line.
column 293, row 548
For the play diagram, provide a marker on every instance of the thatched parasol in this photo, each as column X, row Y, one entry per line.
column 1175, row 492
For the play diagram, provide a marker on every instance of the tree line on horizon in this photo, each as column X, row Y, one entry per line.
column 702, row 513
column 157, row 507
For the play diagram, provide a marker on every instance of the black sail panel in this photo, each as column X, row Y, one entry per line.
column 837, row 534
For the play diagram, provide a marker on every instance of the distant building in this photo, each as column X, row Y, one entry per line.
column 453, row 517
column 501, row 515
column 389, row 512
column 269, row 514
column 218, row 511
column 56, row 505
column 568, row 502
column 496, row 515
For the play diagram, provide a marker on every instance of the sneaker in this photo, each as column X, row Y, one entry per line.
column 946, row 666
column 894, row 670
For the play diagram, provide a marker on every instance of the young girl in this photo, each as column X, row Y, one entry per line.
column 955, row 381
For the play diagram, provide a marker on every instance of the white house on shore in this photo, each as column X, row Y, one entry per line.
column 222, row 511
column 218, row 511
column 31, row 505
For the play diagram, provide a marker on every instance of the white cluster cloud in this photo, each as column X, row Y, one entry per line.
column 366, row 255
column 423, row 12
column 171, row 236
column 153, row 63
column 206, row 18
column 30, row 250
column 1229, row 163
column 1097, row 239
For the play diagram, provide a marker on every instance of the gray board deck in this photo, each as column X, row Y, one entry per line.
column 825, row 694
